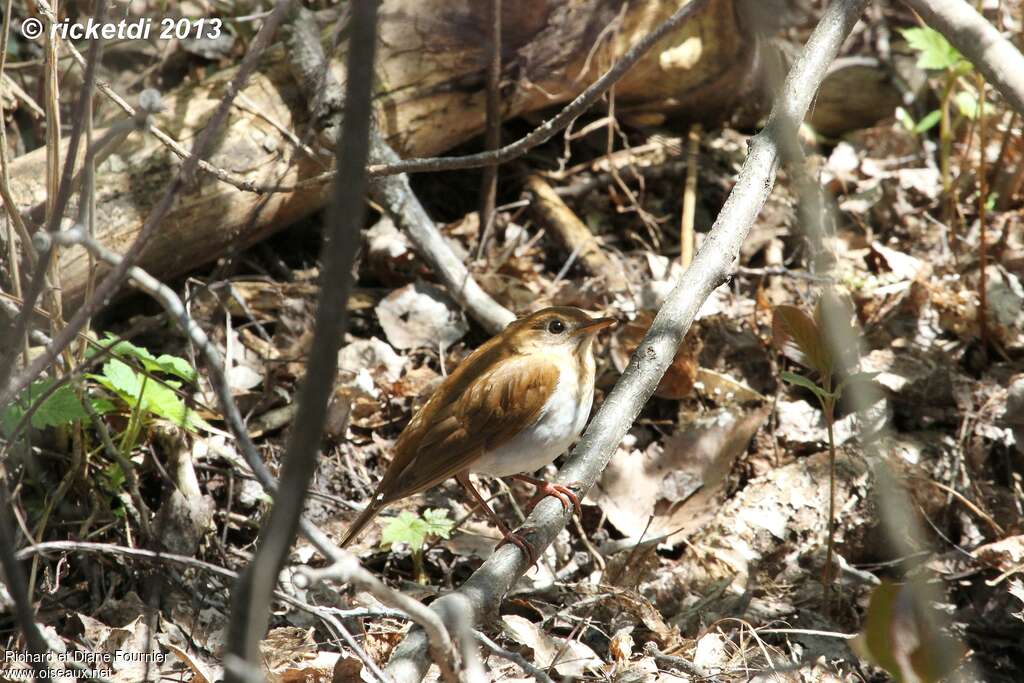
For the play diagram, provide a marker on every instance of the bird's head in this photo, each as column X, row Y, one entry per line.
column 559, row 328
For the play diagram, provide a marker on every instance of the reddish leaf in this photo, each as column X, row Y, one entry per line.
column 796, row 335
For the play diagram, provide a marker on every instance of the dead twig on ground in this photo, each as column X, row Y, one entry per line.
column 686, row 237
column 575, row 235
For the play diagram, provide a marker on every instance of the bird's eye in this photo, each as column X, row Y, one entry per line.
column 556, row 326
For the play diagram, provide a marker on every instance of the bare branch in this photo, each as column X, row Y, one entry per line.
column 979, row 41
column 345, row 568
column 710, row 268
column 396, row 196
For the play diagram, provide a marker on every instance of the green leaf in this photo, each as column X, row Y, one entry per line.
column 801, row 381
column 934, row 51
column 150, row 395
column 967, row 103
column 59, row 408
column 115, row 476
column 928, row 122
column 413, row 530
column 119, row 377
column 905, row 119
column 438, row 523
column 161, row 400
column 172, row 365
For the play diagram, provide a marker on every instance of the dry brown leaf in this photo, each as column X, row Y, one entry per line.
column 292, row 655
column 678, row 482
column 577, row 659
column 126, row 644
column 680, row 376
column 620, row 647
column 200, row 675
column 1005, row 555
column 421, row 316
column 903, row 266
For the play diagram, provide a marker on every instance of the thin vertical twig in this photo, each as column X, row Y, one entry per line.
column 982, row 216
column 492, row 134
column 251, row 599
column 686, row 237
column 51, row 82
column 15, row 224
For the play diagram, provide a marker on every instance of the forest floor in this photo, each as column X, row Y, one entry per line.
column 701, row 553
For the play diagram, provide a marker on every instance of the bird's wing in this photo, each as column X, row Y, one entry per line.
column 487, row 413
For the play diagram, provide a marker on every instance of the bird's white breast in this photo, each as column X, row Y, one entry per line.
column 560, row 422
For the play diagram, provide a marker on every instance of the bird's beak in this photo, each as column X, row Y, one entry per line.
column 595, row 325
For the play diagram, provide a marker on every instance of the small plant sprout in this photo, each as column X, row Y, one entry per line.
column 806, row 340
column 413, row 530
column 935, row 54
column 117, row 387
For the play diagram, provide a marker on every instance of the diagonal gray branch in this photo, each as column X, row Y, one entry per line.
column 993, row 55
column 710, row 268
column 401, row 205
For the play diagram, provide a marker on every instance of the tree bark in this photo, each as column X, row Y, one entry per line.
column 430, row 97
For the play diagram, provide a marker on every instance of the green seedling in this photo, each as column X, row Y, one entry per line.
column 803, row 339
column 935, row 54
column 413, row 530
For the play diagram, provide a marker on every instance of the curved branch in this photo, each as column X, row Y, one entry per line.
column 980, row 42
column 710, row 268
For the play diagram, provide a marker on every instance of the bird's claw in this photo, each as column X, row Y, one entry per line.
column 563, row 492
column 516, row 539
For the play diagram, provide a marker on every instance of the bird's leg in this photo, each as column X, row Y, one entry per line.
column 508, row 536
column 565, row 495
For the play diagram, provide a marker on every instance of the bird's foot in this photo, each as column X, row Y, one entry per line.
column 516, row 539
column 563, row 492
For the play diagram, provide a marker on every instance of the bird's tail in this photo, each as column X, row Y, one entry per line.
column 375, row 505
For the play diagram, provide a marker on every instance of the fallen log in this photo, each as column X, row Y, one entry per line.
column 430, row 98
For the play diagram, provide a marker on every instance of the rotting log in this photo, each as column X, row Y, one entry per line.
column 430, row 98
